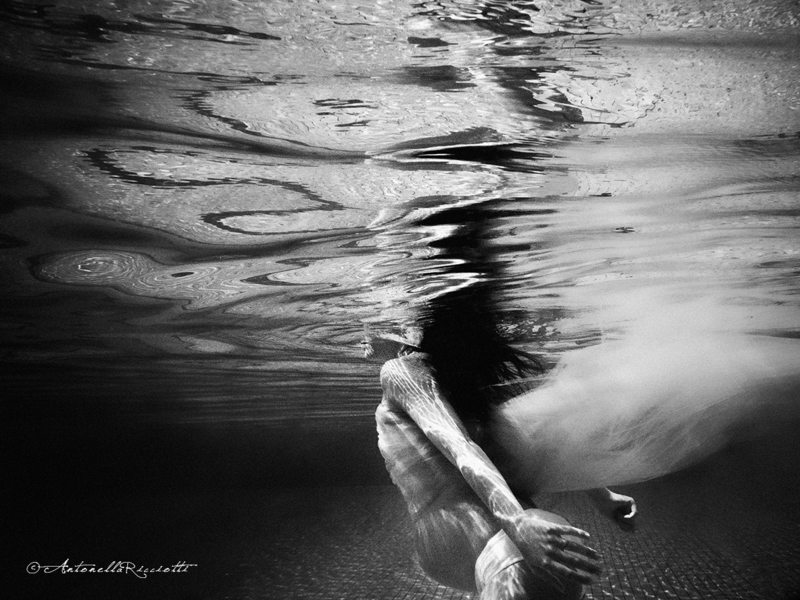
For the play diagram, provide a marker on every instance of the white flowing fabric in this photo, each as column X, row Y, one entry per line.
column 631, row 410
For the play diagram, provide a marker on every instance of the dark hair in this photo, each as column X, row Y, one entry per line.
column 476, row 364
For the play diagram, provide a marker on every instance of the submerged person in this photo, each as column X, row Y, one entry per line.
column 443, row 383
column 472, row 531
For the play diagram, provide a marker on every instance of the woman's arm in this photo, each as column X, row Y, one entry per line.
column 617, row 507
column 408, row 383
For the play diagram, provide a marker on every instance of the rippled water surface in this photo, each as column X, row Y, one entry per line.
column 205, row 205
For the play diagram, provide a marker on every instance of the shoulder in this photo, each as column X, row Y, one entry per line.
column 407, row 379
column 408, row 367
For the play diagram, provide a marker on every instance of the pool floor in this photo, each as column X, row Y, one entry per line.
column 729, row 529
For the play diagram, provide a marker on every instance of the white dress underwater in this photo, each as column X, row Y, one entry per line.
column 631, row 410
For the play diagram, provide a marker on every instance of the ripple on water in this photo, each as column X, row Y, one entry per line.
column 217, row 197
column 366, row 115
column 204, row 286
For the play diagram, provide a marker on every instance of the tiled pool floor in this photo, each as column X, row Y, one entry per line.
column 728, row 530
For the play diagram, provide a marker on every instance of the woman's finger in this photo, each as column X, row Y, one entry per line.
column 567, row 530
column 573, row 561
column 564, row 572
column 561, row 543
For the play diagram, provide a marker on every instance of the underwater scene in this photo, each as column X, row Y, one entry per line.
column 212, row 212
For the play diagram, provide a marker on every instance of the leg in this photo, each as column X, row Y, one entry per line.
column 449, row 539
column 502, row 574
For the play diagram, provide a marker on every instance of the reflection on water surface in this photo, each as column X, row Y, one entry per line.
column 205, row 204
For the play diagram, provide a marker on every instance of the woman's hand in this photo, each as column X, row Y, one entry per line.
column 617, row 507
column 556, row 549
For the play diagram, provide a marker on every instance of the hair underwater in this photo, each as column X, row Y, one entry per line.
column 475, row 362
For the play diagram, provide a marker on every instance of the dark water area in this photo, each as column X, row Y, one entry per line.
column 205, row 206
